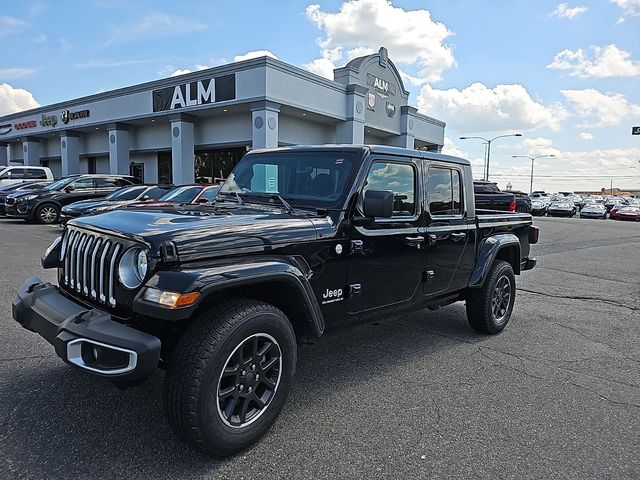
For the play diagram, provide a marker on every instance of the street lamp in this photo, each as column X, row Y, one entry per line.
column 532, row 159
column 488, row 142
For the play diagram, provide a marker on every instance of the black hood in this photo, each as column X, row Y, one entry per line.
column 199, row 233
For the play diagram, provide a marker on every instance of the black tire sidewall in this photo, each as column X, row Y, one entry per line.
column 216, row 433
column 499, row 270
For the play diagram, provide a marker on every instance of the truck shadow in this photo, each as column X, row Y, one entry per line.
column 62, row 423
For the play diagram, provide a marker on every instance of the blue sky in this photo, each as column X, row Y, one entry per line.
column 565, row 75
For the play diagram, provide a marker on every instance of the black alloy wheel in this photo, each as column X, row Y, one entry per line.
column 489, row 308
column 249, row 380
column 501, row 298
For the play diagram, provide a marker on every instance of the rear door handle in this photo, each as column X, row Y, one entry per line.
column 458, row 237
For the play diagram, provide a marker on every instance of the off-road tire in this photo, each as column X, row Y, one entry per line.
column 480, row 311
column 192, row 381
column 47, row 214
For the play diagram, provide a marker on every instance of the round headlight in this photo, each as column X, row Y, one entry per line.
column 132, row 268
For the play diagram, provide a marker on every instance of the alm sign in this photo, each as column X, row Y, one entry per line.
column 192, row 94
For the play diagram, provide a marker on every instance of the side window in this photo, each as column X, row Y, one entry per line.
column 36, row 173
column 83, row 184
column 15, row 173
column 400, row 179
column 102, row 182
column 443, row 191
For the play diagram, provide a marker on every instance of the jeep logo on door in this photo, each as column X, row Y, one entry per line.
column 196, row 93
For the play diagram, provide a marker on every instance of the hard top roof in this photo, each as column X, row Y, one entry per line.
column 379, row 149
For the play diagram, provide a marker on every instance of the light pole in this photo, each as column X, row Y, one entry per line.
column 488, row 142
column 532, row 160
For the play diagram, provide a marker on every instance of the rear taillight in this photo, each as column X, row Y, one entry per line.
column 512, row 205
column 534, row 234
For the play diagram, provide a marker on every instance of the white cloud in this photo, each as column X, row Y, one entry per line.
column 540, row 142
column 601, row 62
column 630, row 8
column 254, row 54
column 13, row 73
column 586, row 135
column 478, row 107
column 171, row 71
column 15, row 99
column 10, row 25
column 599, row 109
column 363, row 26
column 564, row 11
column 154, row 25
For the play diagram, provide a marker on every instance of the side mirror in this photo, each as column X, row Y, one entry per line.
column 202, row 201
column 9, row 174
column 378, row 203
column 144, row 198
column 69, row 189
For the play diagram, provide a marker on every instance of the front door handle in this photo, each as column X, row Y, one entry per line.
column 458, row 237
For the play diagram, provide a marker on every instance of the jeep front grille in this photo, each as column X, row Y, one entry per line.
column 89, row 265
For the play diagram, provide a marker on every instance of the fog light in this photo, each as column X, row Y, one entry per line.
column 170, row 299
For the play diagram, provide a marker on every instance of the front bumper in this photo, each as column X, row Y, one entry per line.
column 560, row 213
column 87, row 338
column 19, row 210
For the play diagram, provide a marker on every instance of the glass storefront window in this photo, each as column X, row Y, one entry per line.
column 212, row 166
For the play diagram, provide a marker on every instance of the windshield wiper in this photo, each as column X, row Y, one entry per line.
column 278, row 197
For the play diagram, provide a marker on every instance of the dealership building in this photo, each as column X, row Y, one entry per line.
column 196, row 127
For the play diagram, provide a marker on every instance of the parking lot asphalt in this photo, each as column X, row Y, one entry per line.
column 556, row 395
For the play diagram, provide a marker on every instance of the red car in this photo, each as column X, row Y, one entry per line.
column 626, row 213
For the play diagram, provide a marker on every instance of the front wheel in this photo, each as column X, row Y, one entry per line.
column 489, row 308
column 47, row 214
column 230, row 375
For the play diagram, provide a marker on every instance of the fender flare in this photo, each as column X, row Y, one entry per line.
column 208, row 280
column 488, row 251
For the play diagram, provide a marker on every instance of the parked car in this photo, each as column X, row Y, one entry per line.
column 222, row 299
column 118, row 199
column 523, row 202
column 489, row 197
column 561, row 208
column 19, row 174
column 614, row 210
column 594, row 210
column 199, row 193
column 627, row 212
column 611, row 202
column 5, row 190
column 44, row 206
column 538, row 207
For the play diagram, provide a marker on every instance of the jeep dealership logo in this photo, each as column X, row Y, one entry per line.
column 197, row 93
column 48, row 120
column 66, row 115
column 6, row 128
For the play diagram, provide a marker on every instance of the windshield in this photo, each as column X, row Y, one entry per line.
column 127, row 193
column 181, row 194
column 60, row 184
column 315, row 179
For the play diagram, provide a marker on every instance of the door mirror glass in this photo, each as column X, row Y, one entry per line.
column 378, row 203
column 69, row 188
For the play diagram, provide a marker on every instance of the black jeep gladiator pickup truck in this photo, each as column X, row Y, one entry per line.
column 299, row 240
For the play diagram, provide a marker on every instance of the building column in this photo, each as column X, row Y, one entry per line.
column 264, row 124
column 118, row 148
column 351, row 131
column 31, row 149
column 4, row 153
column 407, row 123
column 182, row 148
column 70, row 150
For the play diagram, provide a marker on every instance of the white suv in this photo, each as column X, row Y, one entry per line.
column 17, row 174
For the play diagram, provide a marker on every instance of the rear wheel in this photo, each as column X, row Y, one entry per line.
column 47, row 213
column 230, row 376
column 489, row 308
